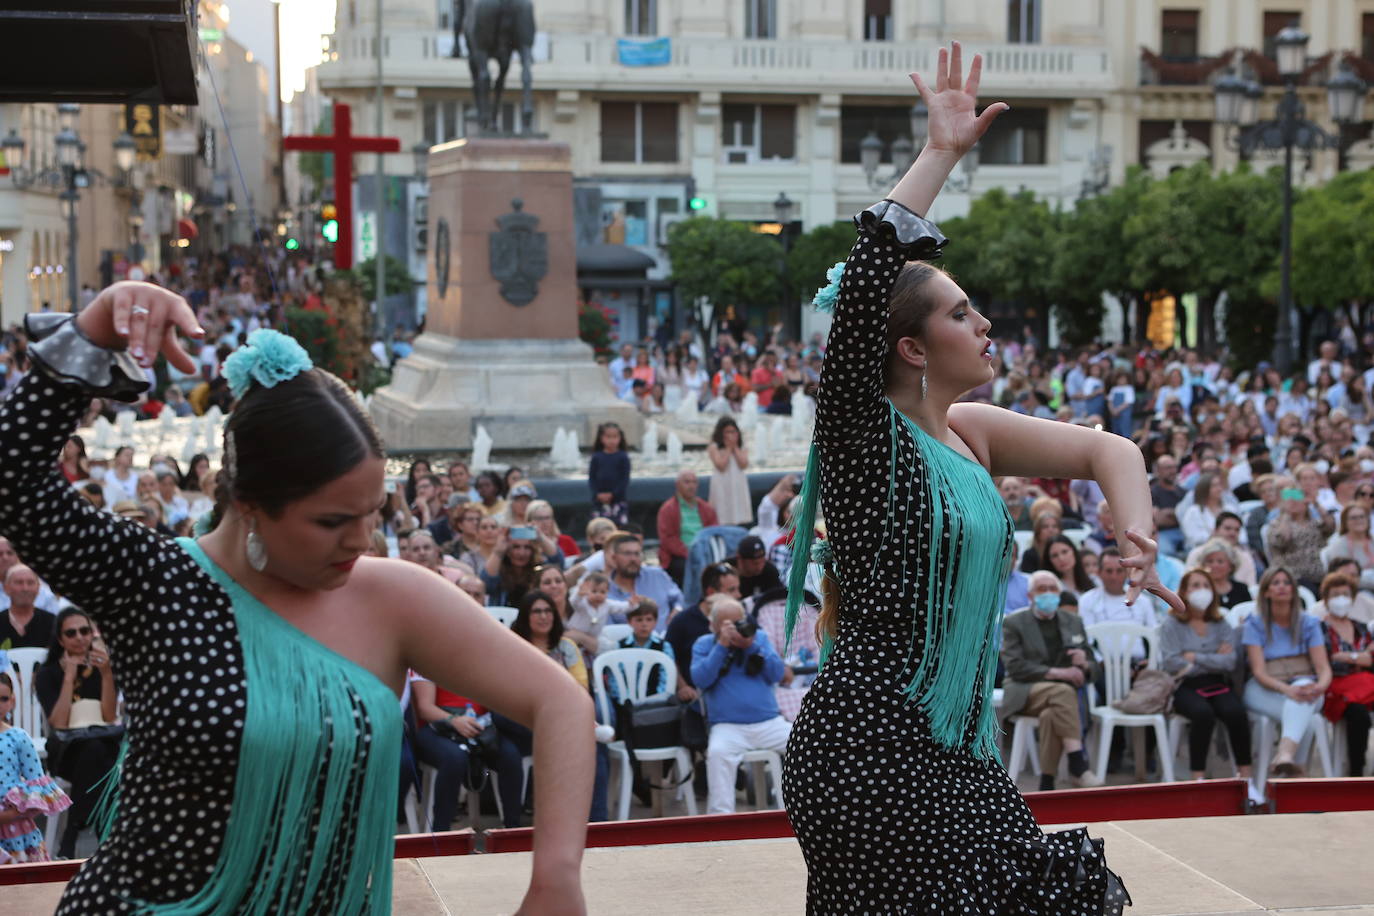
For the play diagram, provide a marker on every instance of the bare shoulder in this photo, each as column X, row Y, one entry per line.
column 401, row 589
column 973, row 423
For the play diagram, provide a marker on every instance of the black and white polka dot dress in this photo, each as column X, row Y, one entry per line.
column 202, row 770
column 889, row 820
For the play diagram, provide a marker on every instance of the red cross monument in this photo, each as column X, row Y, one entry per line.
column 343, row 145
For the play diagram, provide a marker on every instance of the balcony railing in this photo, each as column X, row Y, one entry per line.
column 1156, row 70
column 592, row 62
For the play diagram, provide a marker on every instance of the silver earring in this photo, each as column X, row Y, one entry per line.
column 923, row 384
column 256, row 550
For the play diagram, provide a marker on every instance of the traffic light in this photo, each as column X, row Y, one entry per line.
column 292, row 244
column 697, row 203
column 330, row 230
column 328, row 212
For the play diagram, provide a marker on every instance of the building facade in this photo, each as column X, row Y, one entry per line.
column 728, row 104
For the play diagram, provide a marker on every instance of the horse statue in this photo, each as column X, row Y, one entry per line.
column 493, row 30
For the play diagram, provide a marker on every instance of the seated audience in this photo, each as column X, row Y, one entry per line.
column 1349, row 645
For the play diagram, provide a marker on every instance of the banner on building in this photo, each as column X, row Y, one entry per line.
column 644, row 52
column 143, row 122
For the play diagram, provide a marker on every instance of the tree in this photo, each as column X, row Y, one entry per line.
column 1333, row 249
column 725, row 262
column 1089, row 258
column 814, row 253
column 398, row 281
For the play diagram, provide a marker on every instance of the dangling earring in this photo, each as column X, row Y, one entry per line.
column 923, row 384
column 255, row 549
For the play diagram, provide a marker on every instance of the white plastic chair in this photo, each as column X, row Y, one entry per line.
column 1077, row 535
column 504, row 614
column 1025, row 743
column 28, row 711
column 1264, row 733
column 611, row 635
column 1178, row 724
column 1308, row 599
column 1235, row 616
column 1115, row 644
column 632, row 670
column 1247, row 506
column 1024, row 539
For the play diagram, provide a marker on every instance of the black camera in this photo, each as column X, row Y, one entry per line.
column 746, row 626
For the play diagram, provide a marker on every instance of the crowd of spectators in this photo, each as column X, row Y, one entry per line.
column 1262, row 487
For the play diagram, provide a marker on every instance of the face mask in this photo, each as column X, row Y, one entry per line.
column 1322, row 466
column 1046, row 603
column 1367, row 578
column 97, row 474
column 1200, row 598
column 161, row 469
column 1339, row 605
column 1367, row 465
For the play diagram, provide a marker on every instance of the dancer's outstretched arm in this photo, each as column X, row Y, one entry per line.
column 1030, row 447
column 451, row 640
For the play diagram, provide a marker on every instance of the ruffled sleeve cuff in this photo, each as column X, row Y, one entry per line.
column 69, row 357
column 919, row 238
column 40, row 795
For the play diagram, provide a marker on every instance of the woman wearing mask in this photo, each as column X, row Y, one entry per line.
column 1290, row 670
column 1218, row 559
column 1199, row 648
column 1350, row 646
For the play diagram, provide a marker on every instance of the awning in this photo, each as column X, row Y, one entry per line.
column 607, row 258
column 186, row 229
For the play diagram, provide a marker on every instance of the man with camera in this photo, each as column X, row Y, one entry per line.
column 735, row 667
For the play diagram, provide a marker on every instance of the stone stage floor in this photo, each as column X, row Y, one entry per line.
column 1221, row 866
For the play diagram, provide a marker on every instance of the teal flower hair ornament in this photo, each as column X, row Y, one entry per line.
column 826, row 296
column 821, row 552
column 268, row 358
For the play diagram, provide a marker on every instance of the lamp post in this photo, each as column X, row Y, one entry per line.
column 1237, row 108
column 70, row 176
column 783, row 210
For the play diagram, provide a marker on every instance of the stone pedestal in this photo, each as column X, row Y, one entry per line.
column 518, row 370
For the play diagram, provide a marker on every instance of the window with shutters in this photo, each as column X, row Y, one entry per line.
column 639, row 132
column 760, row 18
column 1023, row 22
column 641, row 17
column 1017, row 137
column 758, row 133
column 1178, row 35
column 877, row 20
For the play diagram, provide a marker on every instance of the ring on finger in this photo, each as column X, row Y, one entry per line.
column 138, row 310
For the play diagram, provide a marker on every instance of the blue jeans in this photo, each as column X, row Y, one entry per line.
column 524, row 740
column 450, row 759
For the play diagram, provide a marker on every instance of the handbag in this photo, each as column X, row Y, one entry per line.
column 62, row 739
column 1289, row 668
column 653, row 723
column 1150, row 694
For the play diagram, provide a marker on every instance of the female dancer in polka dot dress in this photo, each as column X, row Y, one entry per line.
column 261, row 662
column 892, row 782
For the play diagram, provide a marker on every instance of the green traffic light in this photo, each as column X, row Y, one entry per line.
column 292, row 244
column 330, row 230
column 697, row 203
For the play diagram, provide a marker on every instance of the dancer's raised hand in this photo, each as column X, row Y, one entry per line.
column 143, row 317
column 954, row 125
column 1143, row 576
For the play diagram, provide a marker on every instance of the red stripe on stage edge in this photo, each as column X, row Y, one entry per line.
column 1305, row 796
column 706, row 828
column 424, row 845
column 39, row 872
column 1147, row 801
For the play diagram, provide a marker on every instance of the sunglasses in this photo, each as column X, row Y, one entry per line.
column 77, row 631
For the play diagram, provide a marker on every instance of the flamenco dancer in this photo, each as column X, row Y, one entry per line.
column 892, row 779
column 261, row 662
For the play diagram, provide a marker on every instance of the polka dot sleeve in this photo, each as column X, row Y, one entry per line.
column 97, row 560
column 851, row 407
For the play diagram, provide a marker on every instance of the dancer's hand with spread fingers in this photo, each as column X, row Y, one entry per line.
column 1144, row 576
column 145, row 318
column 954, row 125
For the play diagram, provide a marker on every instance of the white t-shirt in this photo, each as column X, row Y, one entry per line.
column 117, row 489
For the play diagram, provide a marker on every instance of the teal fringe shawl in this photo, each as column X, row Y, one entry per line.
column 302, row 739
column 966, row 562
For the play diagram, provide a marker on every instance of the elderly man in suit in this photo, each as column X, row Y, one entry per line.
column 1047, row 657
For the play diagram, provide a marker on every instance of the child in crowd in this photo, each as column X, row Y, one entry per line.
column 24, row 790
column 593, row 607
column 609, row 475
column 643, row 618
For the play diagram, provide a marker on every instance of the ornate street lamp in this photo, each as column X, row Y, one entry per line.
column 1237, row 108
column 125, row 150
column 420, row 154
column 783, row 208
